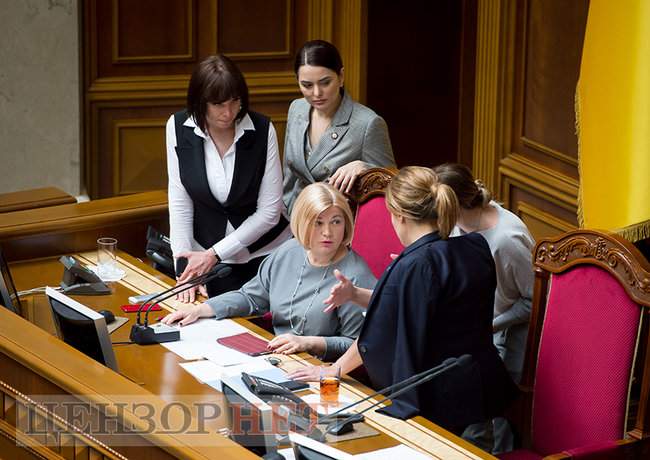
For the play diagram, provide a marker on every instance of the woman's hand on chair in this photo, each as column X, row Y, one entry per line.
column 342, row 292
column 344, row 177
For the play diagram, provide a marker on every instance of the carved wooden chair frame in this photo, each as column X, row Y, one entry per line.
column 622, row 260
column 370, row 183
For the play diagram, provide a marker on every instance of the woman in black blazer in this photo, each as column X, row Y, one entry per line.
column 432, row 303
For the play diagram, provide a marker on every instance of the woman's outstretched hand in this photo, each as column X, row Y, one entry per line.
column 340, row 293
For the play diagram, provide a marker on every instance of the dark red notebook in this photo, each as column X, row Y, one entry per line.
column 246, row 343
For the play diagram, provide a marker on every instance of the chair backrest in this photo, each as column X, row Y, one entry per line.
column 590, row 292
column 374, row 238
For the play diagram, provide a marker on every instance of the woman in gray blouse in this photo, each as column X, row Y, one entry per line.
column 293, row 281
column 329, row 137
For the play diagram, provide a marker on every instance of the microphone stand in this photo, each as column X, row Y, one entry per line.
column 346, row 425
column 143, row 334
column 218, row 271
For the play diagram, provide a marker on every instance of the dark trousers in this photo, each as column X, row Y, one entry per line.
column 241, row 273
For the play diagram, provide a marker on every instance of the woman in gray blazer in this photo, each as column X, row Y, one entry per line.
column 329, row 136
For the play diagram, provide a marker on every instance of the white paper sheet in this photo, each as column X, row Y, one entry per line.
column 203, row 371
column 186, row 350
column 208, row 330
column 224, row 356
column 200, row 338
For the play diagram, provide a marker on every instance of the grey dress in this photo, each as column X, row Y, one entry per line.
column 293, row 290
column 356, row 133
column 511, row 245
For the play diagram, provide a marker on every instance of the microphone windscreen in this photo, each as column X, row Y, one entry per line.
column 181, row 264
column 464, row 360
column 222, row 270
column 449, row 361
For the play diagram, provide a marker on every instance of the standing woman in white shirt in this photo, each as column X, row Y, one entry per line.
column 225, row 180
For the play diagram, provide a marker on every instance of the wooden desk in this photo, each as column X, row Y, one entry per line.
column 154, row 375
column 34, row 198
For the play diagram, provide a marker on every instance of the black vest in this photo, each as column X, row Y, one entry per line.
column 211, row 216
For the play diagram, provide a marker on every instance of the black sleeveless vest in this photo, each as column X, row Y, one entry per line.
column 211, row 216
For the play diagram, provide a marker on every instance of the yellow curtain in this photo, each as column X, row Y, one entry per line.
column 613, row 117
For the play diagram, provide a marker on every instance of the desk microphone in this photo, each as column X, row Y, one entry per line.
column 143, row 334
column 346, row 425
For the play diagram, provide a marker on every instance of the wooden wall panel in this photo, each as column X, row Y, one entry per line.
column 237, row 41
column 138, row 57
column 168, row 36
column 528, row 61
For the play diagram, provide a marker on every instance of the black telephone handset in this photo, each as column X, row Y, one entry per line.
column 77, row 279
column 271, row 392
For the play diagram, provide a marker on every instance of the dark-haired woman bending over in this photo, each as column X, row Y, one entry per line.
column 225, row 179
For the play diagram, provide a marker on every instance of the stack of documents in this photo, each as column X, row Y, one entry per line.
column 210, row 360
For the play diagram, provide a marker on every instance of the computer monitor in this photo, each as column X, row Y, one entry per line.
column 81, row 328
column 250, row 419
column 8, row 295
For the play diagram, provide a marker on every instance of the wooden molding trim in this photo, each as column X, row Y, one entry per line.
column 176, row 86
column 549, row 151
column 34, row 198
column 540, row 179
column 495, row 28
column 352, row 44
column 320, row 23
column 58, row 219
column 26, row 442
column 550, row 219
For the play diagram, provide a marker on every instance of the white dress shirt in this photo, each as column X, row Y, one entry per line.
column 233, row 247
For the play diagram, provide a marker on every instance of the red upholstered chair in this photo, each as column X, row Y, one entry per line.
column 374, row 238
column 591, row 292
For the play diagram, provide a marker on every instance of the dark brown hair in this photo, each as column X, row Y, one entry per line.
column 416, row 193
column 319, row 53
column 216, row 79
column 471, row 192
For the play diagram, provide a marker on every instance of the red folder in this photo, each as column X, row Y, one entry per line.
column 246, row 343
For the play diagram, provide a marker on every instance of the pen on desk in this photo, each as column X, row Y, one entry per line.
column 262, row 353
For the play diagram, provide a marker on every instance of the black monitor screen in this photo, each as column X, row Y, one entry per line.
column 247, row 424
column 81, row 328
column 8, row 295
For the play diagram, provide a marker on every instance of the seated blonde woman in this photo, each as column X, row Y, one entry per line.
column 293, row 281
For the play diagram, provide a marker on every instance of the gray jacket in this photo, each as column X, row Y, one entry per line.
column 356, row 133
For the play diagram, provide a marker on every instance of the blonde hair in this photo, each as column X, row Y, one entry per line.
column 312, row 201
column 416, row 193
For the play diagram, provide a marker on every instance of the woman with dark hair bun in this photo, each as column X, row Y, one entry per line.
column 511, row 245
column 225, row 180
column 329, row 136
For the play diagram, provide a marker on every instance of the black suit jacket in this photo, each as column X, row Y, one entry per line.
column 434, row 302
